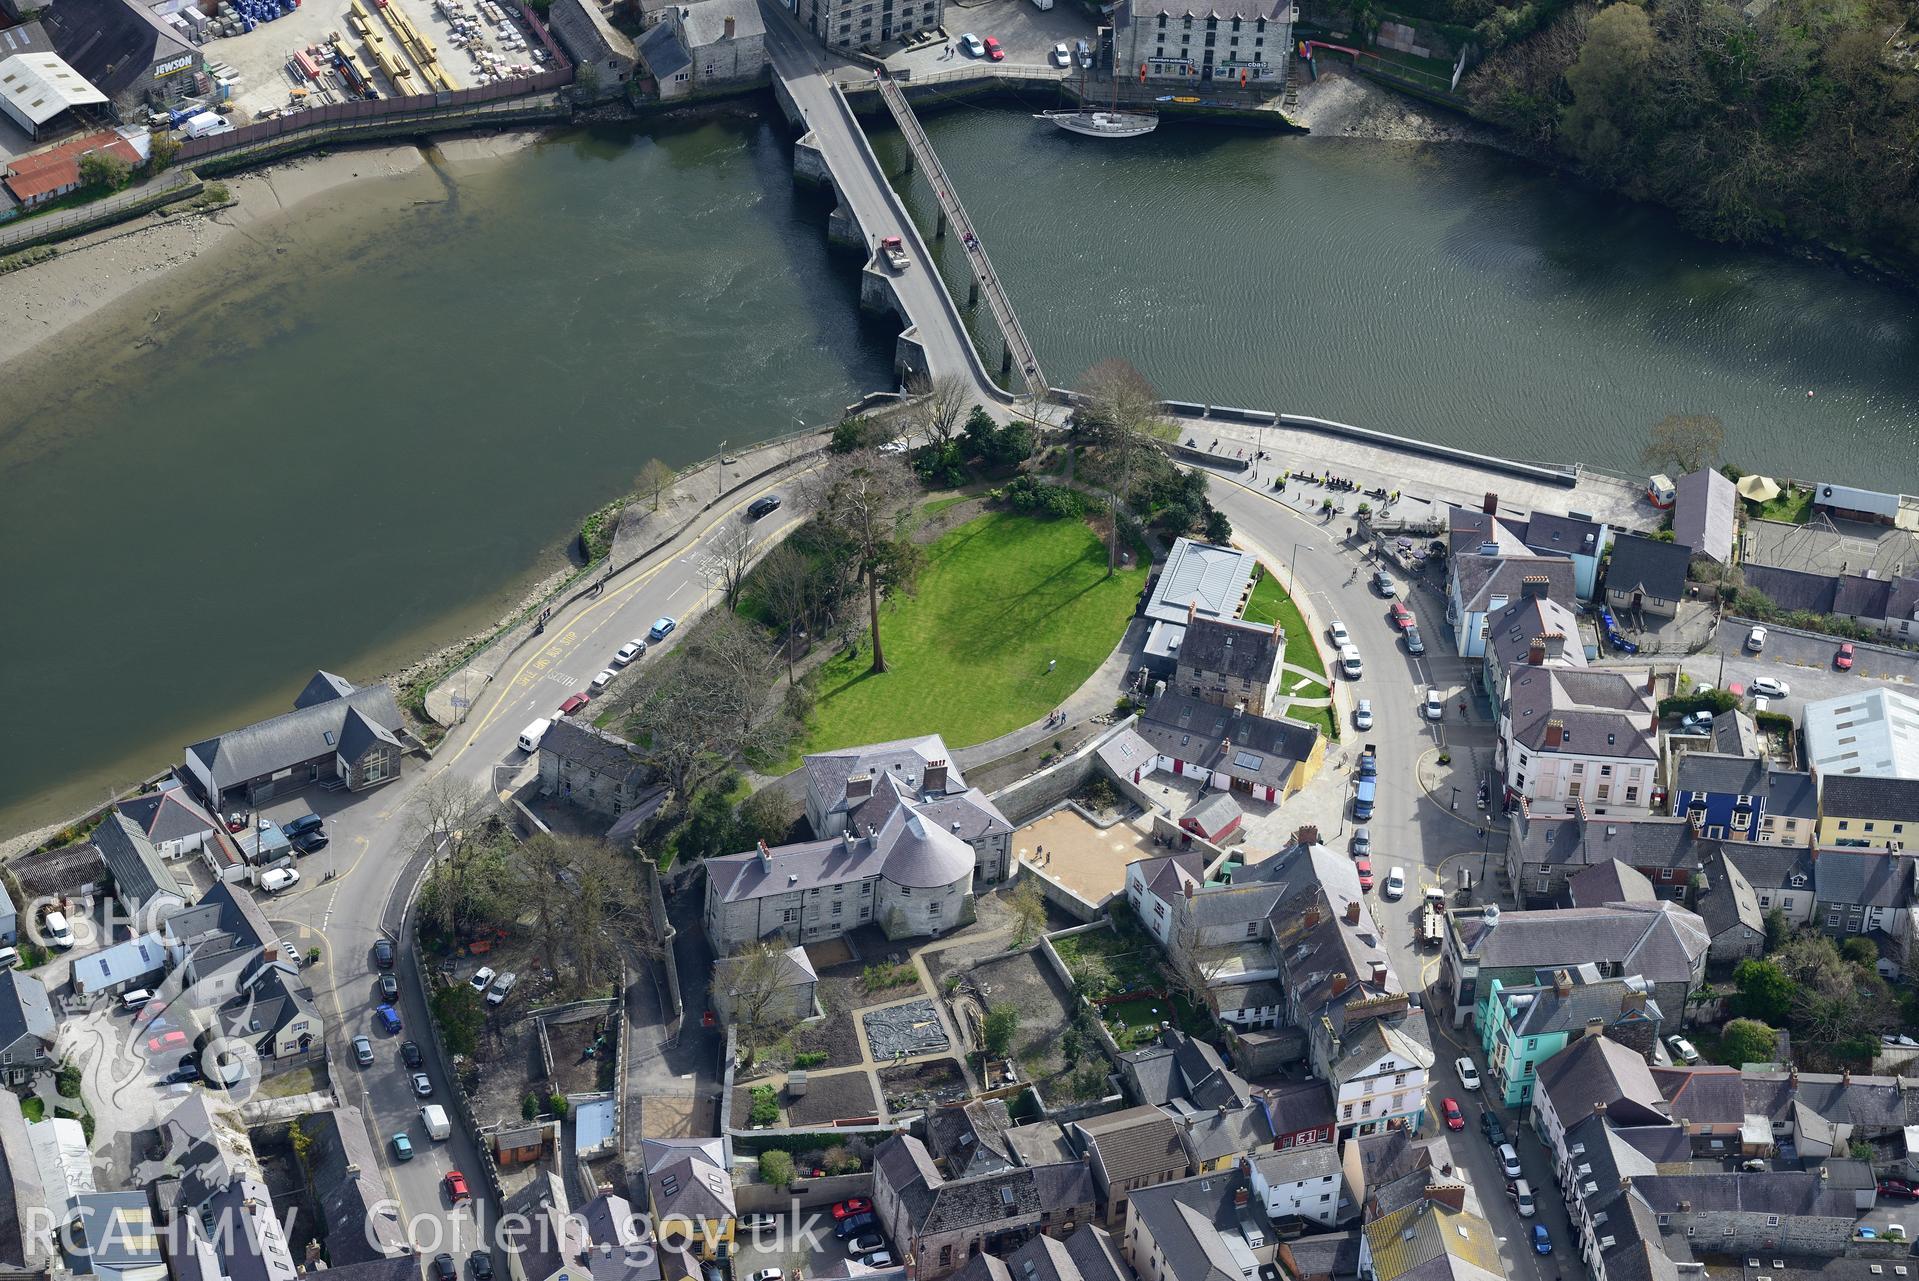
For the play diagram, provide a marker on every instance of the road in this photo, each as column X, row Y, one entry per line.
column 863, row 185
column 375, row 860
column 1409, row 829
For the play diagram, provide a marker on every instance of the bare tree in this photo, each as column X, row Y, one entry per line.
column 1191, row 967
column 788, row 583
column 1684, row 442
column 943, row 409
column 864, row 499
column 1121, row 417
column 577, row 889
column 451, row 816
column 754, row 982
column 655, row 479
column 729, row 555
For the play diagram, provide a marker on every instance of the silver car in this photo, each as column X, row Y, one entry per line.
column 1362, row 842
column 1363, row 714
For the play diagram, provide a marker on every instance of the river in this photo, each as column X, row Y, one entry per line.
column 364, row 443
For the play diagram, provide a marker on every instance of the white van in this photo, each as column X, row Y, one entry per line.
column 1350, row 665
column 138, row 997
column 433, row 1117
column 530, row 736
column 57, row 931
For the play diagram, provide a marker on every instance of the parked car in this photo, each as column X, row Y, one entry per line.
column 410, row 1054
column 1415, row 643
column 1542, row 1239
column 422, row 1085
column 187, row 1071
column 1362, row 843
column 1340, row 636
column 772, row 1274
column 993, row 52
column 1898, row 1189
column 481, row 977
column 574, row 702
column 1490, row 1127
column 1755, row 640
column 58, row 933
column 383, row 953
column 1396, row 883
column 1455, row 1119
column 974, row 49
column 1401, row 616
column 171, row 1039
column 1695, row 722
column 855, row 1225
column 1468, row 1074
column 502, row 988
column 1769, row 687
column 603, row 678
column 1351, row 665
column 480, row 1265
column 883, row 1259
column 661, row 629
column 1682, row 1049
column 402, row 1148
column 1509, row 1161
column 1522, row 1194
column 456, row 1188
column 274, row 880
column 1084, row 52
column 867, row 1244
column 628, row 652
column 1435, row 706
column 389, row 1018
column 298, row 827
column 389, row 988
column 758, row 1222
column 363, row 1051
column 1843, row 659
column 1364, row 867
column 851, row 1206
column 763, row 507
column 1383, row 584
column 1363, row 714
column 444, row 1269
column 1062, row 56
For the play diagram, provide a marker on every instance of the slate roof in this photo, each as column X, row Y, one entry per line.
column 1600, row 711
column 1873, row 1103
column 688, row 1178
column 1632, row 1245
column 907, row 849
column 58, row 873
column 1191, row 1221
column 358, row 736
column 1704, row 1095
column 1258, row 749
column 346, row 1179
column 1390, row 1155
column 1864, row 796
column 1606, row 1159
column 1510, row 633
column 1773, row 867
column 661, row 50
column 1303, row 1164
column 1553, row 535
column 1656, row 841
column 588, row 35
column 111, row 42
column 1598, row 1069
column 1239, row 650
column 904, row 759
column 1548, row 1011
column 1325, row 1254
column 1648, row 565
column 1133, row 1143
column 1799, row 1193
column 305, row 734
column 1482, row 579
column 1703, row 513
column 322, row 687
column 1728, row 901
column 1469, row 530
column 253, row 1240
column 1659, row 941
column 1182, row 1067
column 169, row 815
column 1734, row 734
column 25, row 1010
column 1214, row 580
column 1713, row 772
column 1168, row 875
column 1430, row 1240
column 23, row 1197
column 1089, row 1254
column 1609, row 881
column 1792, row 589
column 1867, row 879
column 1363, row 1047
column 972, row 1136
column 1207, row 1136
column 139, row 873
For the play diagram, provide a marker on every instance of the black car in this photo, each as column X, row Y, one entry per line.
column 188, row 1069
column 763, row 507
column 480, row 1264
column 310, row 842
column 854, row 1224
column 383, row 953
column 301, row 826
column 410, row 1054
column 389, row 988
column 444, row 1268
column 1489, row 1126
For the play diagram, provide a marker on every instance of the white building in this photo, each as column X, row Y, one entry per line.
column 1873, row 732
column 1570, row 736
column 1302, row 1181
column 36, row 88
column 1246, row 42
column 1379, row 1077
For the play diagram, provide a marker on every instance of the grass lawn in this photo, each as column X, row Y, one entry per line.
column 999, row 598
column 1134, row 1023
column 1271, row 604
column 939, row 505
column 1132, row 958
column 1793, row 506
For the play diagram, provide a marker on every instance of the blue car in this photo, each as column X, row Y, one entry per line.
column 661, row 627
column 389, row 1018
column 1542, row 1239
column 402, row 1148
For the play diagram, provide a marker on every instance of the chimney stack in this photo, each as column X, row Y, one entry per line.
column 766, row 858
column 1450, row 1195
column 1340, row 983
column 935, row 778
column 1239, row 1197
column 1536, row 652
column 1490, row 503
column 1311, row 918
column 729, row 28
column 1192, row 612
column 859, row 787
column 1533, row 587
column 1379, row 974
column 1634, row 999
column 1189, row 889
column 1555, row 734
column 1792, row 1078
column 1307, row 835
column 1555, row 643
column 1595, row 1027
column 1562, row 983
column 1599, row 1107
column 1651, row 684
column 1352, row 912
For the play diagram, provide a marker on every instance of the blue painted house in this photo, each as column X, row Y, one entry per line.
column 1744, row 798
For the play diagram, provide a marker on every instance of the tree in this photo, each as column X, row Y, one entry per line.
column 768, row 815
column 865, row 501
column 939, row 412
column 1120, row 414
column 1860, row 951
column 996, row 1035
column 786, row 585
column 1765, row 993
column 1191, row 967
column 837, row 1160
column 1682, row 443
column 729, row 554
column 104, row 171
column 754, row 982
column 162, row 150
column 460, row 1016
column 452, row 817
column 1029, row 910
column 1746, row 1041
column 1606, row 85
column 1778, row 930
column 776, row 1169
column 655, row 479
column 577, row 888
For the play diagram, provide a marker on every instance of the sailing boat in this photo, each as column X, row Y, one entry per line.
column 1113, row 123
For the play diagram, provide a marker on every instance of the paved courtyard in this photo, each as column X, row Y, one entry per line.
column 1087, row 859
column 1825, row 546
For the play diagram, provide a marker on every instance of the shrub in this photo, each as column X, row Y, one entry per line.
column 877, row 978
column 557, row 1104
column 1100, row 795
column 529, row 1106
column 1713, row 700
column 809, row 1058
column 1002, row 1024
column 839, row 1161
column 67, row 1080
column 859, row 433
column 1026, row 494
column 776, row 1169
column 766, row 1108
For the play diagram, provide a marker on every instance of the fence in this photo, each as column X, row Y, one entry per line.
column 174, row 185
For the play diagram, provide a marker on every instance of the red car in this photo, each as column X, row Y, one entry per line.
column 851, row 1206
column 1843, row 659
column 993, row 52
column 456, row 1188
column 1455, row 1119
column 1896, row 1188
column 1365, row 869
column 575, row 703
column 166, row 1041
column 1402, row 617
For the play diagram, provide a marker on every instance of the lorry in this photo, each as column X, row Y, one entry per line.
column 433, row 1117
column 893, row 249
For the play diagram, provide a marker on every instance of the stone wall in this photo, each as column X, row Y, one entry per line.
column 1035, row 794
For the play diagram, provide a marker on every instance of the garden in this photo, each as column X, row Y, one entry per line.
column 1270, row 604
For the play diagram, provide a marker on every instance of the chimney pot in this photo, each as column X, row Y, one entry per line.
column 1562, row 983
column 1352, row 912
column 1490, row 504
column 1340, row 982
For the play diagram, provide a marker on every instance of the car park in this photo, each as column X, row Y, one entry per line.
column 444, row 1269
column 1468, row 1074
column 363, row 1051
column 1455, row 1119
column 1395, row 883
column 1509, row 1161
column 603, row 678
column 1062, row 56
column 1362, row 843
column 383, row 953
column 402, row 1148
column 389, row 988
column 1522, row 1194
column 1341, row 638
column 846, row 1209
column 481, row 977
column 1365, row 869
column 422, row 1085
column 1542, row 1239
column 661, row 629
column 1383, row 584
column 1401, row 616
column 1363, row 714
column 763, row 507
column 1490, row 1127
column 574, row 702
column 993, row 51
column 974, row 49
column 1683, row 1050
column 1755, row 640
column 1769, row 687
column 1435, row 706
column 278, row 879
column 456, row 1188
column 1415, row 643
column 410, row 1054
column 628, row 652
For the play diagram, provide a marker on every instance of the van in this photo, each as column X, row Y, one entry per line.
column 1350, row 665
column 1082, row 53
column 502, row 988
column 530, row 736
column 57, row 932
column 138, row 997
column 9, row 957
column 433, row 1117
column 1363, row 798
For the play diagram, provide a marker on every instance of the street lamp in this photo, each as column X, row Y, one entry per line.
column 720, row 465
column 1485, row 845
column 1289, row 569
column 1455, row 798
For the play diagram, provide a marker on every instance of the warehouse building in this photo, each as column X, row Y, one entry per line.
column 40, row 93
column 123, row 50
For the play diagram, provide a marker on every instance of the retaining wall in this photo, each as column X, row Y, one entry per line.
column 1025, row 800
column 805, row 1194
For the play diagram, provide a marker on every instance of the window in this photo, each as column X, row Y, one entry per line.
column 1632, row 794
column 865, row 911
column 788, row 916
column 836, row 907
column 933, row 908
column 1346, row 1112
column 1605, row 771
column 1252, row 929
column 1399, row 1079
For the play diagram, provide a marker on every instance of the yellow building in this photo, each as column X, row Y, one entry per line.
column 691, row 1192
column 1860, row 811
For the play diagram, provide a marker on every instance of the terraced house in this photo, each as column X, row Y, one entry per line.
column 1522, row 1026
column 945, row 1222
